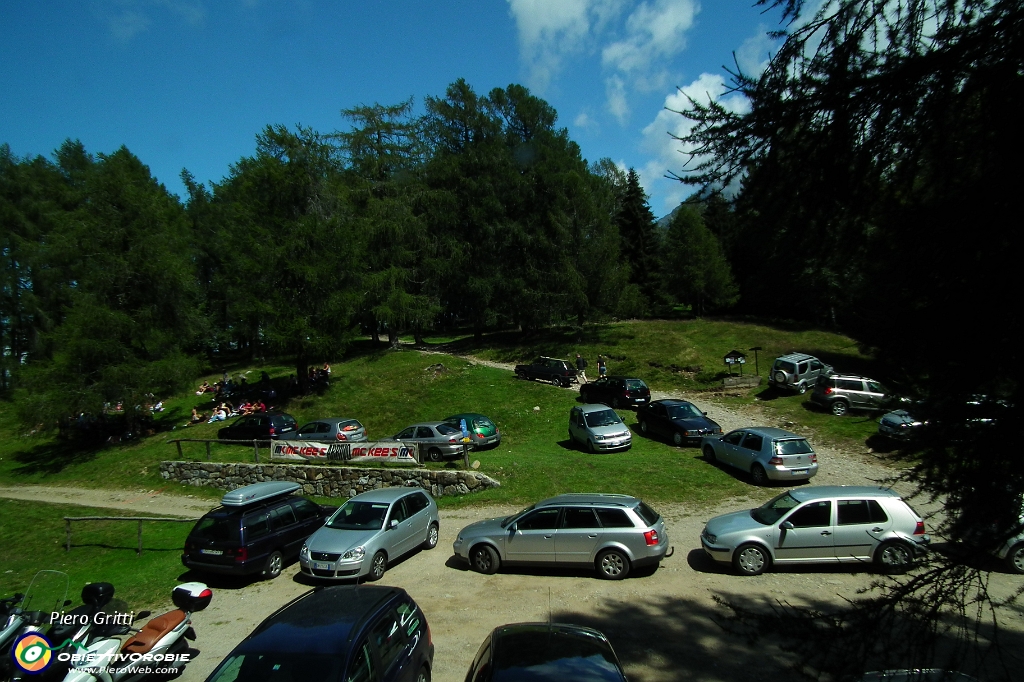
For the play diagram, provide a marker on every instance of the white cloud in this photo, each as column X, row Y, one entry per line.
column 583, row 121
column 653, row 32
column 753, row 55
column 669, row 154
column 550, row 30
column 615, row 89
column 128, row 18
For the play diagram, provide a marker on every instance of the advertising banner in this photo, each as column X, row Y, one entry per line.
column 374, row 451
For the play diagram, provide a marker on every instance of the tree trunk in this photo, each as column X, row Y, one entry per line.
column 393, row 340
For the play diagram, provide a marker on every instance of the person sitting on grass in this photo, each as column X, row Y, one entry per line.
column 259, row 406
column 203, row 388
column 219, row 415
column 197, row 417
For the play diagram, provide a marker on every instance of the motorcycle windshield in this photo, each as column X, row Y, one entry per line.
column 46, row 592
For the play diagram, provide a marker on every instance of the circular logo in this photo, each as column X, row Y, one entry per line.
column 32, row 653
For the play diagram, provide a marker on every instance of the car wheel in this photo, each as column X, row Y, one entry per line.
column 612, row 564
column 802, row 388
column 894, row 557
column 378, row 566
column 555, row 381
column 431, row 541
column 1015, row 558
column 751, row 559
column 484, row 559
column 272, row 569
column 709, row 454
column 643, row 427
column 677, row 439
column 590, row 447
column 839, row 408
column 423, row 675
column 758, row 475
column 434, row 455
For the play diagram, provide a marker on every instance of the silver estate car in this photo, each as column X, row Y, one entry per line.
column 766, row 453
column 822, row 524
column 610, row 533
column 598, row 428
column 333, row 430
column 437, row 441
column 369, row 531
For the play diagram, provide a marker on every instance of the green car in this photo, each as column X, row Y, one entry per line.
column 482, row 430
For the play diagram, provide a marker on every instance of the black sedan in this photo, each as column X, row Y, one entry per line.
column 345, row 632
column 677, row 420
column 617, row 392
column 545, row 652
column 262, row 426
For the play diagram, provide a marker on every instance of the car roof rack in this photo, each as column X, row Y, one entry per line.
column 258, row 492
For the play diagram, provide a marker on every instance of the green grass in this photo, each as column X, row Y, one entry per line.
column 32, row 538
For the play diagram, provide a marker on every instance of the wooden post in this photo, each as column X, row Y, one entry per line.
column 67, row 532
column 256, row 450
column 465, row 456
column 139, row 553
column 180, row 456
column 207, row 451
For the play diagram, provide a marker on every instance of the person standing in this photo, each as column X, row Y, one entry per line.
column 602, row 366
column 581, row 366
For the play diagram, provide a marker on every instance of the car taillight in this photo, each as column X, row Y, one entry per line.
column 481, row 436
column 272, row 431
column 341, row 436
column 775, row 460
column 453, row 440
column 919, row 529
column 828, row 390
column 241, row 554
column 651, row 537
column 814, row 458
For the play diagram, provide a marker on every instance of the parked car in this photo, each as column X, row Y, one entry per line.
column 797, row 371
column 840, row 393
column 263, row 426
column 898, row 425
column 822, row 524
column 342, row 632
column 369, row 531
column 332, row 430
column 256, row 529
column 615, row 391
column 545, row 652
column 437, row 441
column 552, row 370
column 611, row 533
column 482, row 430
column 599, row 428
column 677, row 420
column 766, row 453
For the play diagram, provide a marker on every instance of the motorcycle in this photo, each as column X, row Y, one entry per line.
column 160, row 648
column 25, row 618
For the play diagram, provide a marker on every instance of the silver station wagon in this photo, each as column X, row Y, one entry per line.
column 767, row 454
column 610, row 533
column 822, row 524
column 369, row 531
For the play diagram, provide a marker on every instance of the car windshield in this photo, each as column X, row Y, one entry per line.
column 774, row 509
column 786, row 366
column 278, row 665
column 634, row 384
column 509, row 519
column 217, row 529
column 649, row 516
column 683, row 411
column 602, row 418
column 797, row 446
column 358, row 515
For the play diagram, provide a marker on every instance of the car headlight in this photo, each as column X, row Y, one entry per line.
column 712, row 539
column 304, row 552
column 356, row 553
column 600, row 437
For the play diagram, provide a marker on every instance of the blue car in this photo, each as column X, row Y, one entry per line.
column 677, row 421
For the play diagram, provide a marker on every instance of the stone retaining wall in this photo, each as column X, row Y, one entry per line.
column 326, row 481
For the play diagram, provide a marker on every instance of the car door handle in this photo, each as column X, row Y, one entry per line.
column 548, row 537
column 591, row 536
column 877, row 529
column 826, row 532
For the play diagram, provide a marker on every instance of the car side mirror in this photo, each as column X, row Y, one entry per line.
column 514, row 528
column 705, row 414
column 787, row 525
column 392, row 524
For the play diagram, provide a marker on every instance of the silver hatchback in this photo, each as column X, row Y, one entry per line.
column 598, row 428
column 610, row 533
column 333, row 430
column 766, row 453
column 369, row 531
column 823, row 524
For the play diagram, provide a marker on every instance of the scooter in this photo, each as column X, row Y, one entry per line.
column 26, row 614
column 160, row 648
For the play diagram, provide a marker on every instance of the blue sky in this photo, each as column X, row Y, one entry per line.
column 189, row 83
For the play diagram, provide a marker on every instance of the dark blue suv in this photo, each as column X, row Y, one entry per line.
column 354, row 633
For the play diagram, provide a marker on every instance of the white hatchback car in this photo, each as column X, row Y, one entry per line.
column 821, row 524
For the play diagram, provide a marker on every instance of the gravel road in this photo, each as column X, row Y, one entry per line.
column 663, row 624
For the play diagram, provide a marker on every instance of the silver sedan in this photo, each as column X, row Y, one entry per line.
column 369, row 531
column 437, row 441
column 333, row 430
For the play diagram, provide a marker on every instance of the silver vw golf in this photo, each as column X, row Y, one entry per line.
column 822, row 524
column 369, row 531
column 610, row 533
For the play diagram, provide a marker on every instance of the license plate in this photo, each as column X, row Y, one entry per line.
column 321, row 566
column 800, row 472
column 212, row 552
